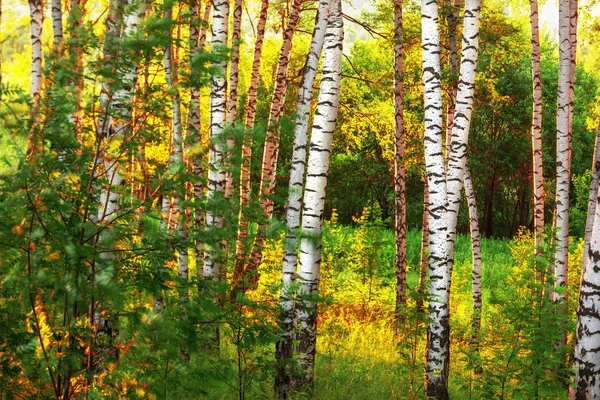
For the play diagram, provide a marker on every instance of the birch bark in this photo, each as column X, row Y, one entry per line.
column 399, row 174
column 536, row 134
column 36, row 12
column 314, row 195
column 563, row 154
column 586, row 355
column 217, row 174
column 438, row 330
column 284, row 347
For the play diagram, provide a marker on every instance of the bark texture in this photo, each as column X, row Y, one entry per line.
column 314, row 195
column 563, row 153
column 271, row 150
column 242, row 234
column 36, row 12
column 399, row 174
column 284, row 347
column 477, row 262
column 586, row 353
column 536, row 134
column 438, row 330
column 217, row 175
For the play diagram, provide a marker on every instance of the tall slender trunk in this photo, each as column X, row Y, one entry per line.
column 586, row 360
column 57, row 25
column 114, row 124
column 36, row 11
column 197, row 41
column 217, row 174
column 173, row 214
column 476, row 251
column 452, row 7
column 399, row 175
column 271, row 148
column 536, row 135
column 563, row 153
column 284, row 347
column 314, row 195
column 438, row 330
column 457, row 156
column 242, row 234
column 592, row 201
column 234, row 70
column 424, row 249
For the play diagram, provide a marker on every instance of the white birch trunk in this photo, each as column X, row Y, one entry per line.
column 424, row 249
column 477, row 262
column 563, row 154
column 234, row 70
column 592, row 201
column 314, row 194
column 399, row 170
column 284, row 347
column 586, row 354
column 536, row 134
column 173, row 215
column 197, row 41
column 217, row 175
column 438, row 330
column 36, row 11
column 57, row 25
column 457, row 156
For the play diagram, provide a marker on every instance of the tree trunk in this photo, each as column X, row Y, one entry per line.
column 476, row 248
column 217, row 175
column 438, row 331
column 57, row 25
column 424, row 249
column 197, row 41
column 271, row 149
column 592, row 202
column 536, row 136
column 588, row 319
column 399, row 175
column 283, row 348
column 314, row 196
column 173, row 214
column 242, row 234
column 234, row 70
column 457, row 156
column 36, row 10
column 114, row 124
column 563, row 154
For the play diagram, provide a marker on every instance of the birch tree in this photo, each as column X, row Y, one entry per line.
column 536, row 134
column 114, row 126
column 445, row 190
column 399, row 175
column 197, row 41
column 563, row 154
column 271, row 148
column 242, row 234
column 284, row 347
column 173, row 214
column 438, row 330
column 476, row 254
column 586, row 359
column 36, row 13
column 314, row 195
column 217, row 174
column 57, row 25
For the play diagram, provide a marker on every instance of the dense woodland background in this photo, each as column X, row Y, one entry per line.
column 127, row 270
